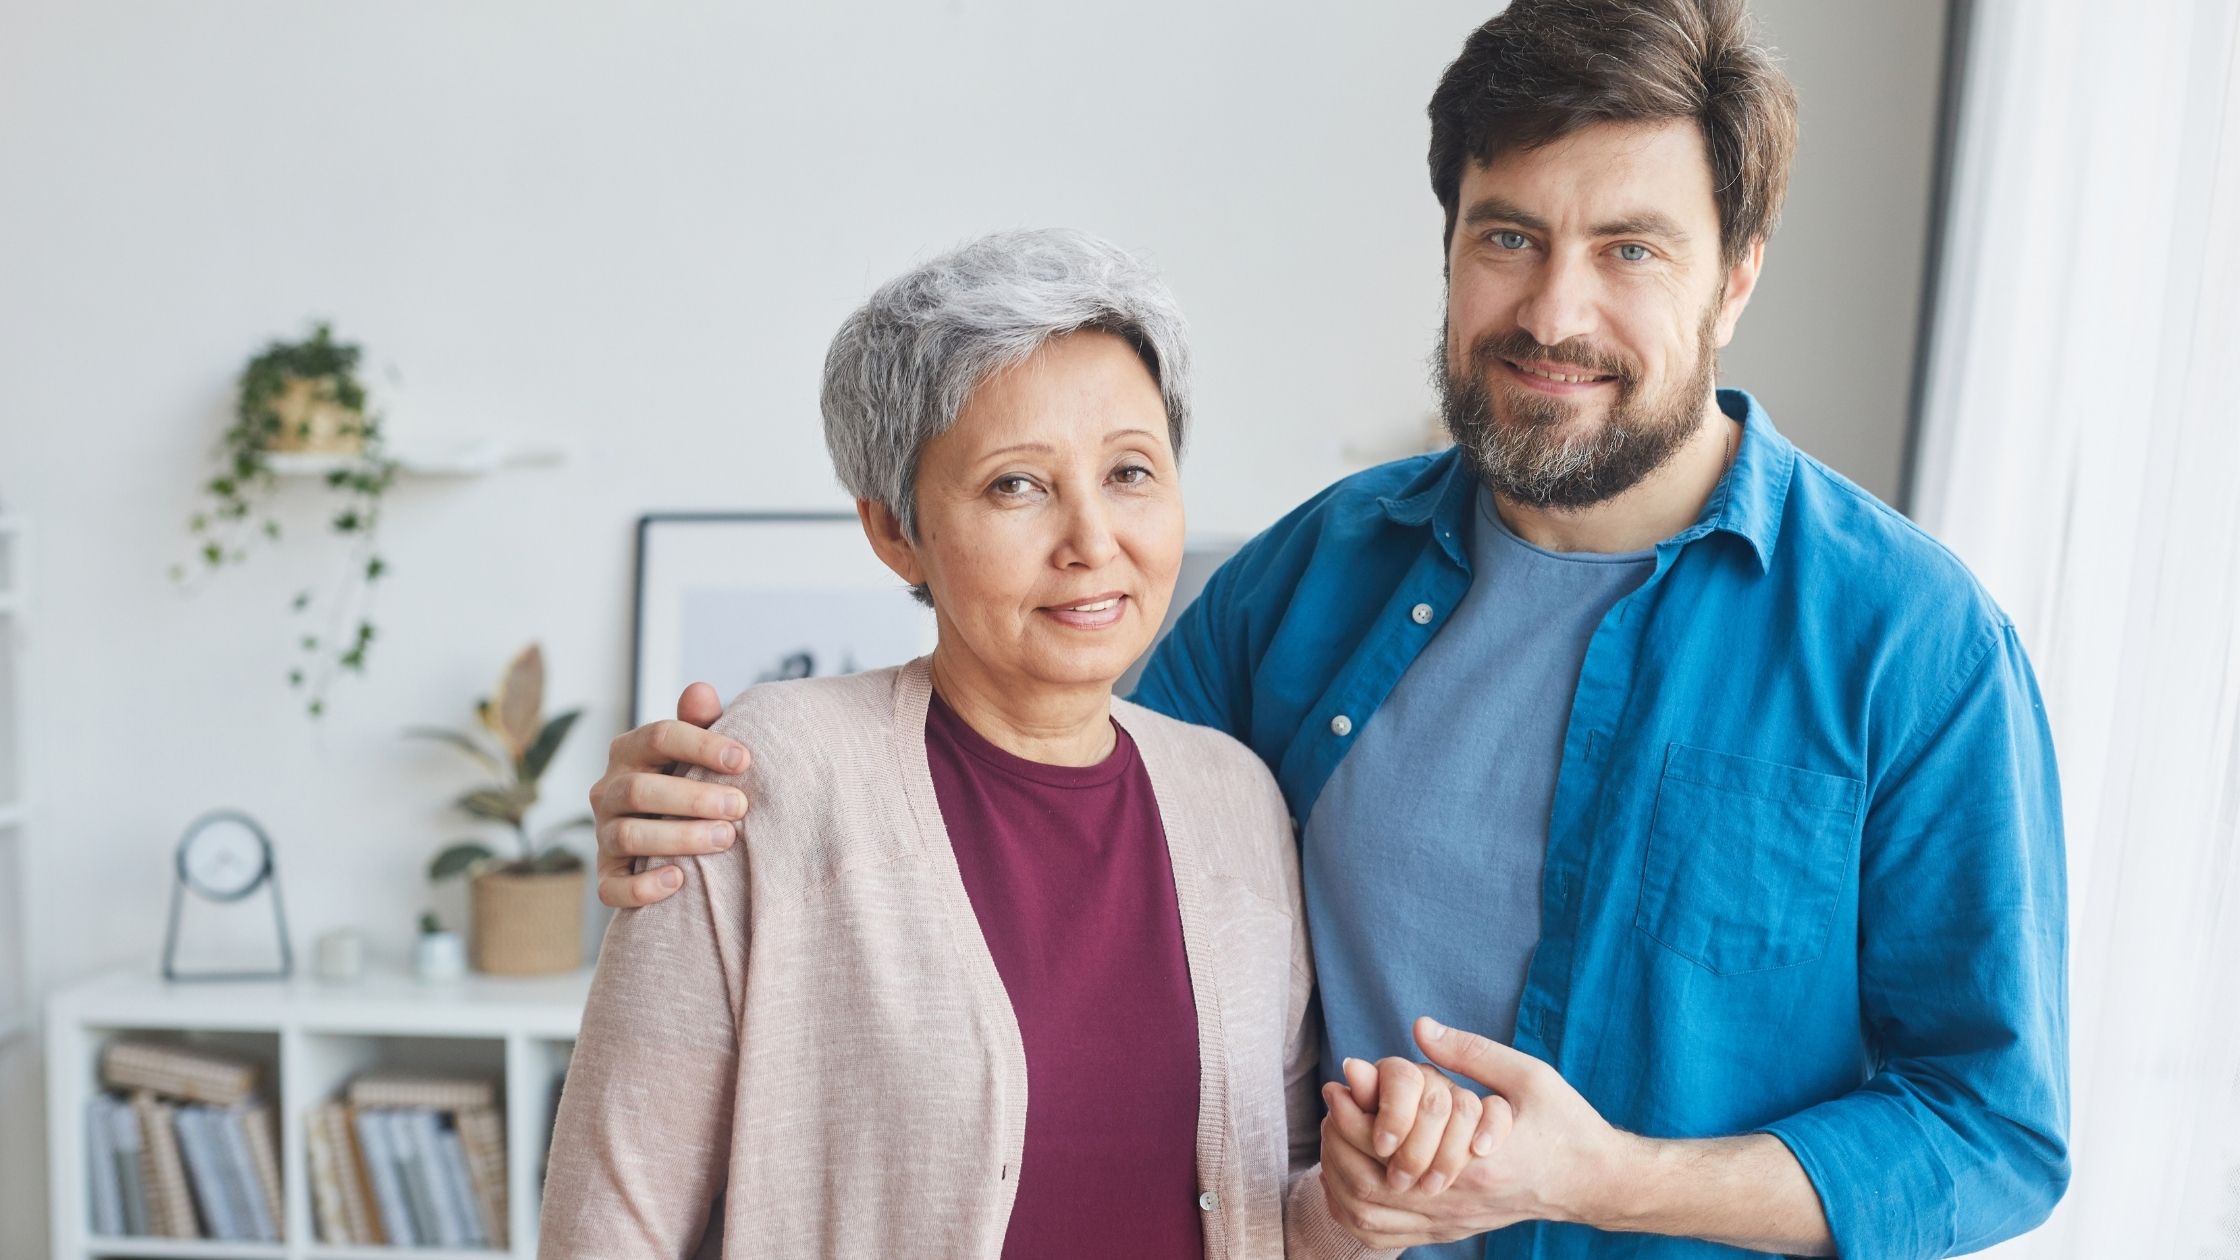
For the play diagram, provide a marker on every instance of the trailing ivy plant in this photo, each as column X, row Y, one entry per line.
column 241, row 494
column 515, row 744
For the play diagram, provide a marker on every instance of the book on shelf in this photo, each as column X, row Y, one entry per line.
column 372, row 1129
column 437, row 1093
column 187, row 1073
column 171, row 1209
column 105, row 1188
column 125, row 1140
column 214, row 1201
column 328, row 1217
column 358, row 1202
column 482, row 1135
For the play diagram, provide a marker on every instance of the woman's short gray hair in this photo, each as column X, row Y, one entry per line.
column 902, row 366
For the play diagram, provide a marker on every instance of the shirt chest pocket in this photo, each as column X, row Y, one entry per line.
column 1747, row 860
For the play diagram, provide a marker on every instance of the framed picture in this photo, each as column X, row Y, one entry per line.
column 737, row 598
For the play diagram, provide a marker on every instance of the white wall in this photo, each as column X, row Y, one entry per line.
column 632, row 228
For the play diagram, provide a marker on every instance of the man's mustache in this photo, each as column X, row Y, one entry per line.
column 1519, row 346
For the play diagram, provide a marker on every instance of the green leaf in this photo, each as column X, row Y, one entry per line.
column 272, row 529
column 375, row 568
column 295, row 678
column 457, row 858
column 213, row 554
column 460, row 740
column 534, row 761
column 301, row 601
column 505, row 805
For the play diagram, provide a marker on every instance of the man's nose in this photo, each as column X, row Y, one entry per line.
column 1560, row 304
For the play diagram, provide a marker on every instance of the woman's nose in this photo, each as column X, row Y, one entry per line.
column 1088, row 541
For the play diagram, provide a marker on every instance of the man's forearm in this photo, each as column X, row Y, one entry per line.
column 1741, row 1191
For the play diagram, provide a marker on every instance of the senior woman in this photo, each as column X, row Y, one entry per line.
column 1008, row 967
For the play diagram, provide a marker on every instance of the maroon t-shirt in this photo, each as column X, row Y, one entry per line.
column 1068, row 873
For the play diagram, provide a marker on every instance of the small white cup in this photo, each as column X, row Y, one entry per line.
column 339, row 956
column 439, row 956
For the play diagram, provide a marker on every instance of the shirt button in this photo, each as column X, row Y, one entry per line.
column 1341, row 725
column 1208, row 1201
column 1421, row 614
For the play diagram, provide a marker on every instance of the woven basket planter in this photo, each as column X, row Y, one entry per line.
column 312, row 425
column 527, row 925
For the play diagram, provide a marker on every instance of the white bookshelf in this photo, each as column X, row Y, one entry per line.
column 15, row 814
column 312, row 1038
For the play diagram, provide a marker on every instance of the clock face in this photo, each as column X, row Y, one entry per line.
column 224, row 858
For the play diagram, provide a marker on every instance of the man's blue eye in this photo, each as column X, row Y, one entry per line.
column 1634, row 253
column 1510, row 240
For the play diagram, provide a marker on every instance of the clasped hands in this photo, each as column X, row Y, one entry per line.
column 1409, row 1157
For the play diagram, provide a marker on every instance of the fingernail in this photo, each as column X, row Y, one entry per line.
column 1385, row 1143
column 736, row 803
column 1482, row 1144
column 734, row 757
column 1401, row 1180
column 720, row 835
column 1433, row 1030
column 1347, row 1066
column 1434, row 1183
column 672, row 879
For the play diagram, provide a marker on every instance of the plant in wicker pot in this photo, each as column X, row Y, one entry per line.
column 526, row 909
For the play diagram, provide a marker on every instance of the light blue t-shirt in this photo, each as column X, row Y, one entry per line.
column 1429, row 837
column 1424, row 852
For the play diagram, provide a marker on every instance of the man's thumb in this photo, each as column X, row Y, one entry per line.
column 1482, row 1059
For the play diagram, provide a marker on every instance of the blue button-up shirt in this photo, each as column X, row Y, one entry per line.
column 1804, row 872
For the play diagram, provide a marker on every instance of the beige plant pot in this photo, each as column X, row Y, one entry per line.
column 527, row 925
column 314, row 424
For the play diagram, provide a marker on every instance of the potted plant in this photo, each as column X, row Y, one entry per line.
column 305, row 397
column 526, row 915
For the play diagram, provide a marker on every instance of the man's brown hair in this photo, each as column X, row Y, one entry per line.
column 1543, row 69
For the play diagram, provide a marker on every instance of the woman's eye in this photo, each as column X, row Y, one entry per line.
column 1510, row 240
column 1132, row 475
column 1633, row 252
column 1012, row 486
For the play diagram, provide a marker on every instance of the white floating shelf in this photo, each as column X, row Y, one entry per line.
column 459, row 459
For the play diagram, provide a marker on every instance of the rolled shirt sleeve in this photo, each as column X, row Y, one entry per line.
column 1960, row 1137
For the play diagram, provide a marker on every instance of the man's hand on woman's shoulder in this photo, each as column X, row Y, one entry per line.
column 645, row 807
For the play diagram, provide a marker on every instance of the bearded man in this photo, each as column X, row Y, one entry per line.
column 1713, row 798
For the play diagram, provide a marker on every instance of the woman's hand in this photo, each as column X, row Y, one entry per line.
column 645, row 807
column 1382, row 1184
column 1422, row 1126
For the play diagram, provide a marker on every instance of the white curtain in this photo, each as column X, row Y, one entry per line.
column 2081, row 451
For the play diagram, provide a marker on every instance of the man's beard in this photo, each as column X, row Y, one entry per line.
column 1524, row 453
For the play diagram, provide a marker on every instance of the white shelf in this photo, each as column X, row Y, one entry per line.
column 314, row 1037
column 459, row 459
column 162, row 1248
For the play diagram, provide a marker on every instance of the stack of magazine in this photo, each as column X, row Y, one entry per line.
column 184, row 1149
column 410, row 1161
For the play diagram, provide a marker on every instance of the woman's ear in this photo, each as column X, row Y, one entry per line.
column 884, row 529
